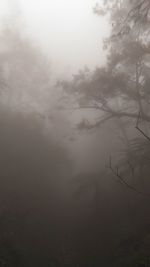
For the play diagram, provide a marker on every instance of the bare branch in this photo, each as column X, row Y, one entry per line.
column 139, row 129
column 122, row 180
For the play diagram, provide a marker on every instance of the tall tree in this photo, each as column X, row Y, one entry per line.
column 126, row 75
column 119, row 90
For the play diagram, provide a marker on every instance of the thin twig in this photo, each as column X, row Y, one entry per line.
column 139, row 129
column 122, row 181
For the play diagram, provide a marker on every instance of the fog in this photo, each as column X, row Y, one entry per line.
column 74, row 133
column 62, row 28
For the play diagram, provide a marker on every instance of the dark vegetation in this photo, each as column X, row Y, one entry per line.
column 50, row 216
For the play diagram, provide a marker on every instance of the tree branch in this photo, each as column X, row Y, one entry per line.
column 139, row 129
column 122, row 181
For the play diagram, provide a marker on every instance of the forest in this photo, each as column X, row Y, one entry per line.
column 75, row 151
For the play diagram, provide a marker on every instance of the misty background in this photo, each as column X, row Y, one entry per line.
column 74, row 133
column 61, row 29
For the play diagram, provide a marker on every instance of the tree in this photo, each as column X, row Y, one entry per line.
column 125, row 78
column 119, row 91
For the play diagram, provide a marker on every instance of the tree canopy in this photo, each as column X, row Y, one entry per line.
column 120, row 89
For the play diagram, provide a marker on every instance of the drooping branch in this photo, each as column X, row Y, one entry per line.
column 139, row 129
column 115, row 114
column 86, row 125
column 121, row 114
column 120, row 178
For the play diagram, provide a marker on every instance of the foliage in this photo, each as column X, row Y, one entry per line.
column 120, row 90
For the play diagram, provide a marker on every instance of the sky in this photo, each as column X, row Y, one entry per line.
column 66, row 30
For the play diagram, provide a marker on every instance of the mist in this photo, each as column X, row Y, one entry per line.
column 61, row 28
column 74, row 133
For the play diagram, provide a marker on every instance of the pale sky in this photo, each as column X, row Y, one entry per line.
column 67, row 30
